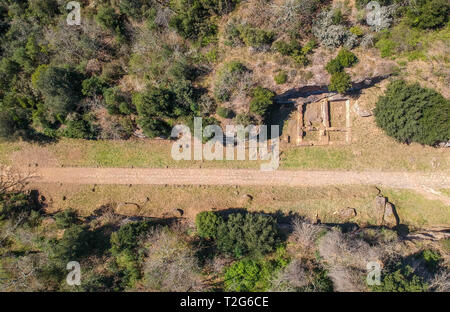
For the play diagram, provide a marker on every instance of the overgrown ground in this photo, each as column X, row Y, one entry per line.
column 414, row 209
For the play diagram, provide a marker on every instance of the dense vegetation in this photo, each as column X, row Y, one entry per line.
column 241, row 251
column 410, row 113
column 142, row 66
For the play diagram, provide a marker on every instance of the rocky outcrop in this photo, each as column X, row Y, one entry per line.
column 386, row 212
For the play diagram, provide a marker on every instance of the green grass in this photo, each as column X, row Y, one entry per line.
column 318, row 158
column 415, row 209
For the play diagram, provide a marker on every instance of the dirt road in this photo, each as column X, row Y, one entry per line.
column 238, row 177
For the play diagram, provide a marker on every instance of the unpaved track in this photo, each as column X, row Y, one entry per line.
column 145, row 176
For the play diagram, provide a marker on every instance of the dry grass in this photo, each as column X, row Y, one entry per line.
column 163, row 201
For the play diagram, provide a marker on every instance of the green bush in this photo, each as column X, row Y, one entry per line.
column 243, row 234
column 224, row 112
column 295, row 50
column 340, row 82
column 131, row 8
column 116, row 102
column 401, row 280
column 14, row 205
column 249, row 275
column 192, row 20
column 77, row 127
column 432, row 259
column 66, row 218
column 262, row 101
column 75, row 244
column 281, row 77
column 357, row 31
column 255, row 37
column 60, row 87
column 124, row 249
column 13, row 123
column 344, row 59
column 110, row 20
column 386, row 46
column 428, row 14
column 92, row 86
column 410, row 113
column 207, row 223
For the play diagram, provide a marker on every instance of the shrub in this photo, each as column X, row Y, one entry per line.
column 13, row 123
column 249, row 275
column 331, row 35
column 124, row 249
column 340, row 82
column 116, row 102
column 192, row 20
column 432, row 259
column 344, row 59
column 77, row 127
column 386, row 46
column 171, row 263
column 281, row 77
column 152, row 106
column 233, row 77
column 337, row 17
column 132, row 8
column 154, row 128
column 256, row 37
column 109, row 20
column 92, row 86
column 357, row 31
column 66, row 218
column 410, row 113
column 401, row 280
column 60, row 87
column 75, row 244
column 207, row 223
column 262, row 101
column 247, row 234
column 295, row 50
column 243, row 119
column 428, row 14
column 14, row 205
column 225, row 112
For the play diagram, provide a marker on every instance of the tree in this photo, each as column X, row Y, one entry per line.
column 262, row 101
column 243, row 234
column 75, row 244
column 344, row 59
column 249, row 275
column 428, row 14
column 410, row 113
column 207, row 223
column 340, row 82
column 124, row 245
column 225, row 112
column 60, row 87
column 401, row 280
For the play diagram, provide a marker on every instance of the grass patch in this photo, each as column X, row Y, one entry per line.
column 415, row 209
